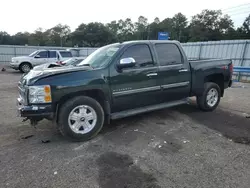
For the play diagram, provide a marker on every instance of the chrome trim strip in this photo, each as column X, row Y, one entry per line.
column 175, row 65
column 133, row 91
column 183, row 70
column 152, row 74
column 180, row 84
column 141, row 68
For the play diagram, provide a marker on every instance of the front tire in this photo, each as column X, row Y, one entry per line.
column 25, row 67
column 80, row 118
column 210, row 98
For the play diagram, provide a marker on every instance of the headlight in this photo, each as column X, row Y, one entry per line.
column 14, row 60
column 40, row 94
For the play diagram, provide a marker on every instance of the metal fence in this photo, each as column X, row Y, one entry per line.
column 236, row 50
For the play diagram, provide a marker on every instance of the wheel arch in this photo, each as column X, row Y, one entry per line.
column 218, row 79
column 96, row 94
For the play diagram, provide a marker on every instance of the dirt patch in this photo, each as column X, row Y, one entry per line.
column 119, row 171
column 230, row 125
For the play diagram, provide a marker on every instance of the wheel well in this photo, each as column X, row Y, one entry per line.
column 96, row 94
column 218, row 79
column 26, row 63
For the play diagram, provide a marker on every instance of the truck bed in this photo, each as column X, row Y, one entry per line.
column 203, row 69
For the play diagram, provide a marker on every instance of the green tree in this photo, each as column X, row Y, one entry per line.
column 244, row 30
column 246, row 24
column 58, row 35
column 209, row 25
column 153, row 29
column 126, row 30
column 93, row 35
column 141, row 27
column 166, row 25
column 5, row 38
column 113, row 26
column 179, row 30
column 38, row 38
column 21, row 38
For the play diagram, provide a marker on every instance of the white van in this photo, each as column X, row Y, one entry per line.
column 25, row 63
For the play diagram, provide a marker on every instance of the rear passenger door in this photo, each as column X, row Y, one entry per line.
column 174, row 74
column 52, row 57
column 135, row 86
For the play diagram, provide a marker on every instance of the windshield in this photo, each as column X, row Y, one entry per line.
column 101, row 57
column 33, row 53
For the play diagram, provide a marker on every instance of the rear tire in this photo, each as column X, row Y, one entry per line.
column 25, row 67
column 210, row 97
column 80, row 118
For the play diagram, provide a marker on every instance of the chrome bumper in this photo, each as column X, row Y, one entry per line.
column 42, row 111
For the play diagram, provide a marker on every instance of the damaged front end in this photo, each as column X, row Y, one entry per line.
column 29, row 111
column 34, row 113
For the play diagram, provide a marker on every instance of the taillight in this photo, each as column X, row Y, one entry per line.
column 231, row 67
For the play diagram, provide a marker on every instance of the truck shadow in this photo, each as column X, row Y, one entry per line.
column 232, row 126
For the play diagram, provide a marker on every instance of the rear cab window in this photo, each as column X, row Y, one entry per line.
column 141, row 54
column 67, row 54
column 168, row 54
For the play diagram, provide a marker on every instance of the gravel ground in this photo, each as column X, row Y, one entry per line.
column 177, row 147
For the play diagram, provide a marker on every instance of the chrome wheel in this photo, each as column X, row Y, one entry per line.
column 25, row 68
column 82, row 119
column 212, row 97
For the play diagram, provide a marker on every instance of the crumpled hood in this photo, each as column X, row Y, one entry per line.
column 35, row 75
column 46, row 66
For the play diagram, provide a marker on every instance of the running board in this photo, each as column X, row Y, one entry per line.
column 140, row 110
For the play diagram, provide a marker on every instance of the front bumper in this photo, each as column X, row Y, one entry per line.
column 29, row 111
column 14, row 66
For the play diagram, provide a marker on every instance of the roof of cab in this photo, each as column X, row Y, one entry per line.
column 150, row 41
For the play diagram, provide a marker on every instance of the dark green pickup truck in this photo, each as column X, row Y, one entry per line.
column 117, row 81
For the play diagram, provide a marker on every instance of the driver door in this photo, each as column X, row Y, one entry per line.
column 40, row 58
column 136, row 86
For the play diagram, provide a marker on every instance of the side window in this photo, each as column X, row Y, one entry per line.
column 168, row 54
column 65, row 54
column 43, row 54
column 52, row 54
column 141, row 54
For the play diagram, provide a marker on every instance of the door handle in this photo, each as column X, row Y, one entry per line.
column 183, row 70
column 152, row 74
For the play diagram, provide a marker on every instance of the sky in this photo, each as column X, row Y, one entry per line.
column 28, row 15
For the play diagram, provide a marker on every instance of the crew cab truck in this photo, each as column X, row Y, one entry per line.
column 26, row 63
column 120, row 80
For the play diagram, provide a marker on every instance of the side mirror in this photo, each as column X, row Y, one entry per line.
column 126, row 63
column 37, row 56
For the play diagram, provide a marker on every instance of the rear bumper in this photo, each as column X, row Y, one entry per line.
column 228, row 84
column 40, row 111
